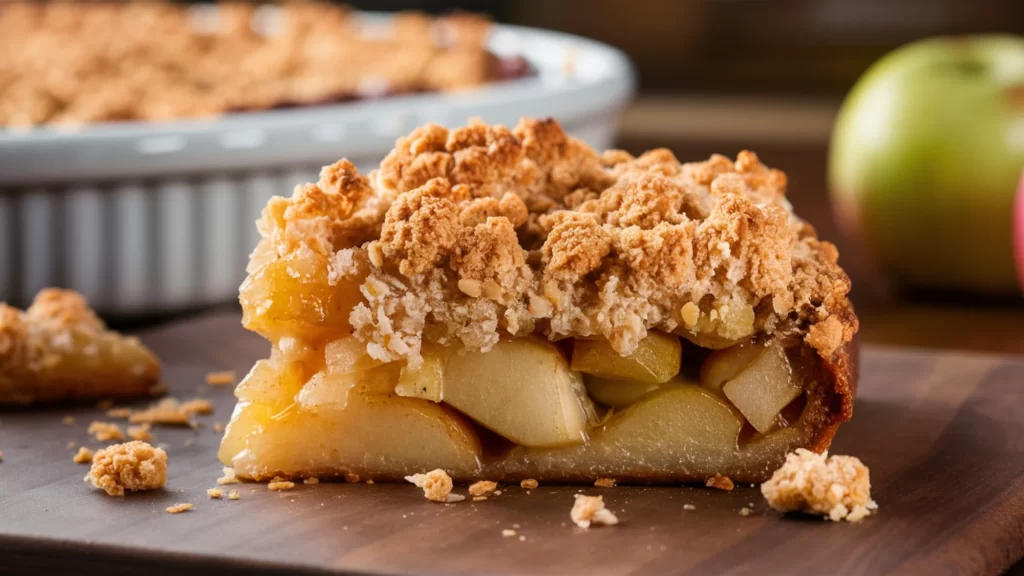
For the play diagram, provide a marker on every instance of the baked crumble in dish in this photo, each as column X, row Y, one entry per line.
column 510, row 304
column 58, row 349
column 162, row 61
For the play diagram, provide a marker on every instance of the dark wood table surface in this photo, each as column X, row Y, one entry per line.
column 943, row 434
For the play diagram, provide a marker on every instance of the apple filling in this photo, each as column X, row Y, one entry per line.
column 572, row 410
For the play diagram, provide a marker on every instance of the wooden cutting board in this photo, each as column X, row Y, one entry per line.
column 943, row 434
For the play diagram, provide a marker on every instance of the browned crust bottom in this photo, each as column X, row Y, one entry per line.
column 841, row 371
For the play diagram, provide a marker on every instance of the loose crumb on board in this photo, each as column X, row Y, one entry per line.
column 311, row 480
column 482, row 488
column 280, row 484
column 179, row 508
column 105, row 431
column 604, row 482
column 228, row 476
column 529, row 484
column 140, row 432
column 130, row 466
column 83, row 456
column 69, row 420
column 218, row 427
column 222, row 378
column 119, row 413
column 233, row 495
column 352, row 478
column 436, row 484
column 836, row 487
column 508, row 533
column 720, row 482
column 589, row 510
column 689, row 507
column 745, row 511
column 215, row 493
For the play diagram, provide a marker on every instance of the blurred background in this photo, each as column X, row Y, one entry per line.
column 720, row 76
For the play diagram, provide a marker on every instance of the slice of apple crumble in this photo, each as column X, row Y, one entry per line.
column 510, row 304
column 58, row 349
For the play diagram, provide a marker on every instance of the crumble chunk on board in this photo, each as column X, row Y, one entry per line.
column 837, row 487
column 590, row 510
column 436, row 485
column 130, row 466
column 471, row 233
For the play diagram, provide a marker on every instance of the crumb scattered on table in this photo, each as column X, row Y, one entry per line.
column 311, row 480
column 482, row 488
column 280, row 484
column 604, row 482
column 140, row 432
column 105, row 431
column 171, row 411
column 507, row 533
column 689, row 507
column 590, row 510
column 130, row 466
column 222, row 378
column 745, row 511
column 72, row 444
column 228, row 476
column 454, row 498
column 479, row 498
column 69, row 420
column 214, row 493
column 119, row 413
column 352, row 478
column 218, row 427
column 179, row 508
column 837, row 487
column 436, row 484
column 197, row 406
column 105, row 404
column 497, row 493
column 233, row 495
column 83, row 456
column 720, row 482
column 529, row 483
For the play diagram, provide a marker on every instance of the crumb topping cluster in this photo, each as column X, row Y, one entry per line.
column 465, row 235
column 129, row 466
column 837, row 487
column 589, row 511
column 161, row 60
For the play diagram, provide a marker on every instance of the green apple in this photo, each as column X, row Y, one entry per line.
column 925, row 158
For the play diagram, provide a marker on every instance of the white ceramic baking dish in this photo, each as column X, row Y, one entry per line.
column 154, row 218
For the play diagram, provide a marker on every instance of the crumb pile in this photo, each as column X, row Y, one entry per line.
column 130, row 466
column 464, row 235
column 837, row 487
column 162, row 60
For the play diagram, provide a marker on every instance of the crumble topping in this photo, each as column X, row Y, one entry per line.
column 130, row 466
column 590, row 510
column 57, row 334
column 837, row 487
column 467, row 234
column 160, row 61
column 436, row 485
column 105, row 431
column 83, row 456
column 179, row 508
column 720, row 482
column 482, row 488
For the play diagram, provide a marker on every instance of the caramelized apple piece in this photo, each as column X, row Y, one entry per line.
column 292, row 297
column 722, row 328
column 655, row 360
column 617, row 393
column 723, row 365
column 271, row 382
column 521, row 389
column 427, row 381
column 764, row 387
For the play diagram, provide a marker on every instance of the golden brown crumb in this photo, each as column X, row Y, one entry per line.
column 370, row 481
column 233, row 495
column 105, row 431
column 218, row 427
column 604, row 482
column 508, row 532
column 130, row 466
column 69, row 420
column 119, row 413
column 83, row 456
column 590, row 510
column 436, row 484
column 720, row 482
column 140, row 432
column 228, row 477
column 280, row 485
column 479, row 498
column 482, row 488
column 837, row 487
column 352, row 478
column 311, row 480
column 689, row 507
column 172, row 411
column 179, row 508
column 745, row 511
column 214, row 493
column 220, row 378
column 529, row 483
